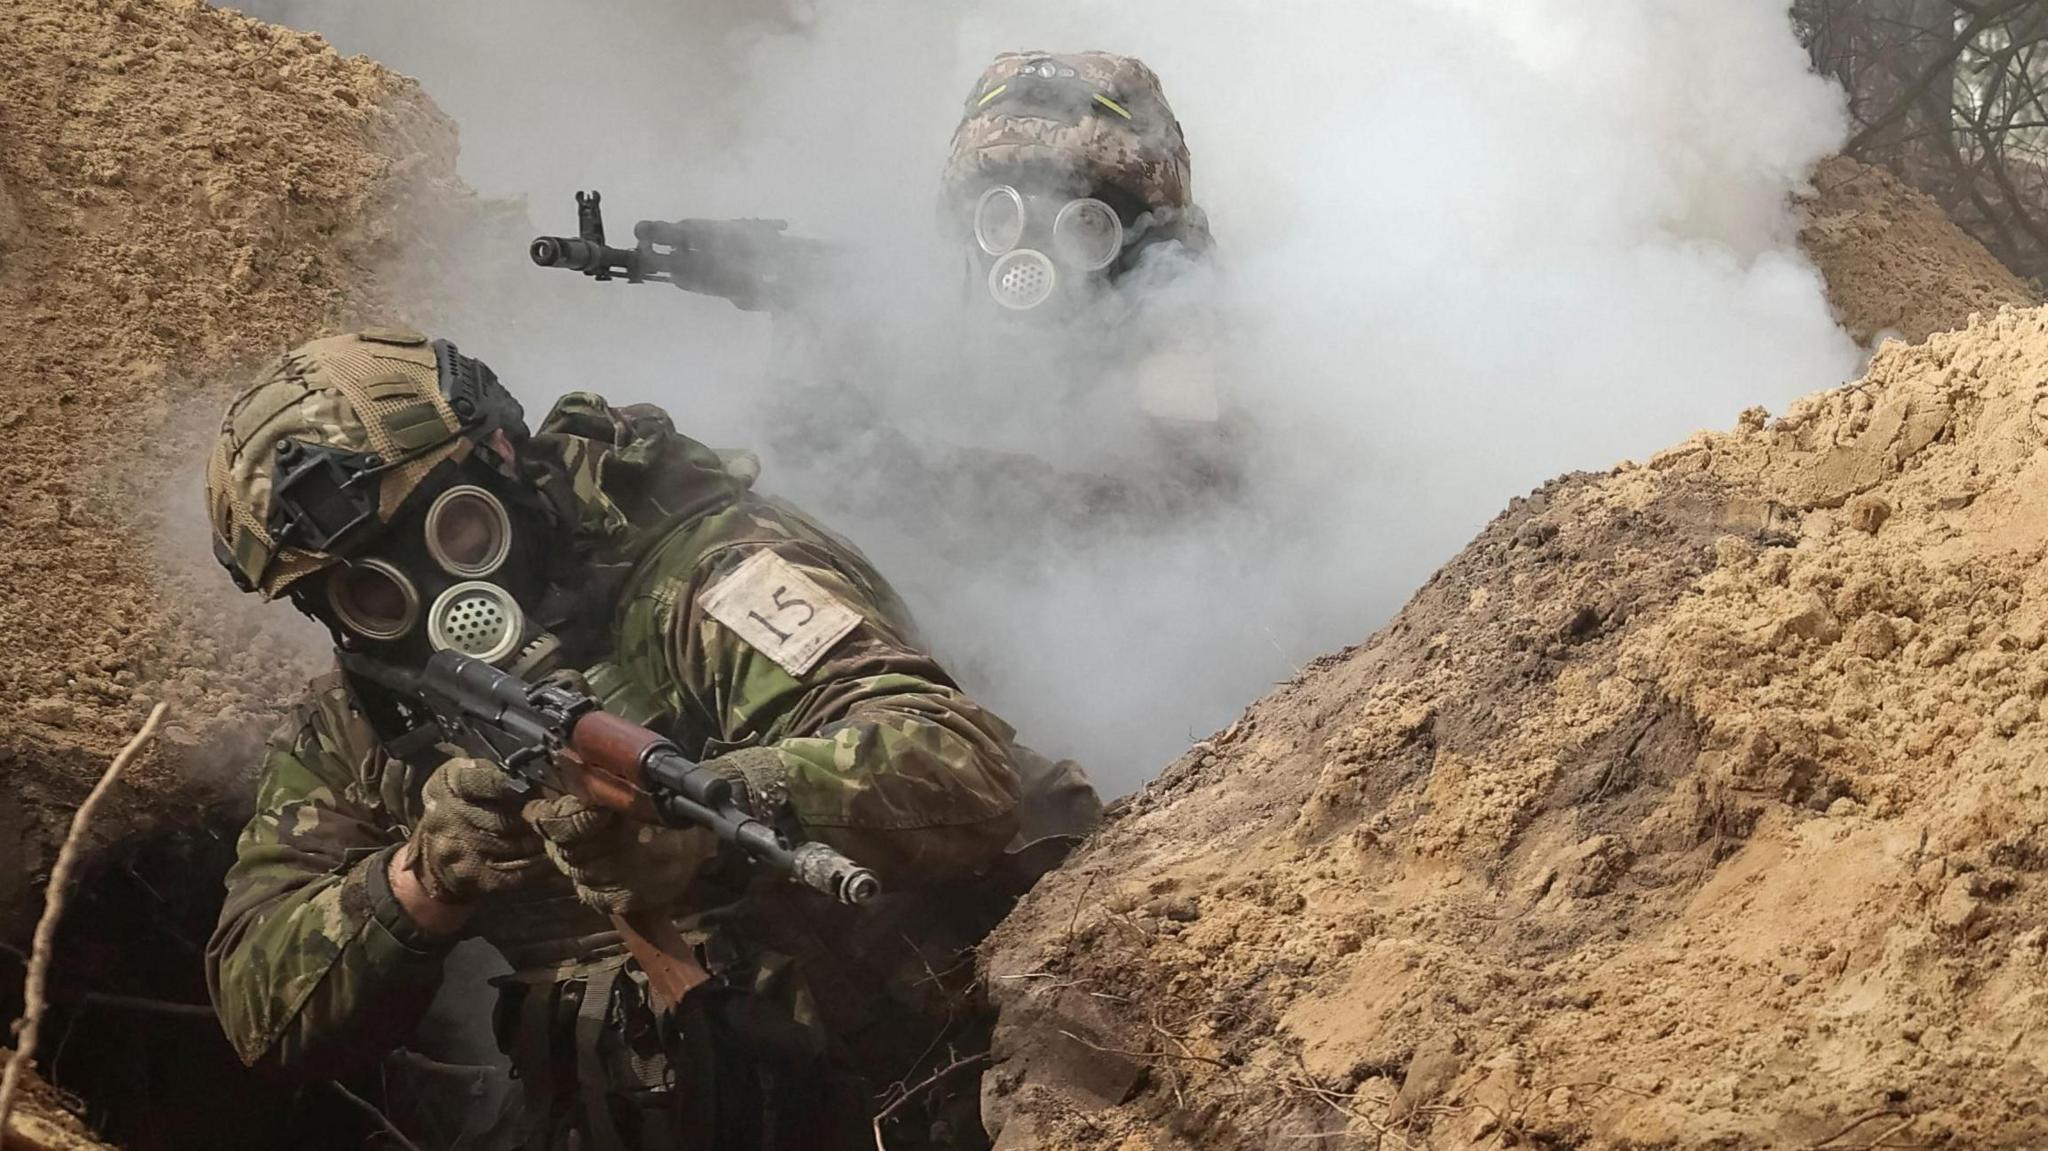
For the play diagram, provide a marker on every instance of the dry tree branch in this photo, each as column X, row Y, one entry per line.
column 884, row 1114
column 370, row 1109
column 1935, row 69
column 34, row 997
column 1865, row 1118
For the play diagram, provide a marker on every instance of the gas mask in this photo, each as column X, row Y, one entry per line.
column 456, row 574
column 1039, row 248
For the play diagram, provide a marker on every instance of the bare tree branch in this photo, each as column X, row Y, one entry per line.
column 1936, row 68
column 34, row 995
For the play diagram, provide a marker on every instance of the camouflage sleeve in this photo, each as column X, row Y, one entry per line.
column 314, row 968
column 888, row 761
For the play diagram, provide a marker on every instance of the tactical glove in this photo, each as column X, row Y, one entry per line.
column 619, row 864
column 472, row 842
column 760, row 779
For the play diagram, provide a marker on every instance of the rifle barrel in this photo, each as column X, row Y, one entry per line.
column 585, row 256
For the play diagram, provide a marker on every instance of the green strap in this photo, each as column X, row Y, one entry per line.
column 590, row 1021
column 531, row 1058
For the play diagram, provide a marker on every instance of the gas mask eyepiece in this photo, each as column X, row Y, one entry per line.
column 1087, row 235
column 374, row 599
column 468, row 531
column 999, row 219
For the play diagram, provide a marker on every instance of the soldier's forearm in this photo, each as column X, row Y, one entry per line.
column 323, row 979
column 434, row 917
column 916, row 795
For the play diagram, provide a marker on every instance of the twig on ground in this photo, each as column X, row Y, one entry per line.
column 1067, row 942
column 883, row 1115
column 370, row 1109
column 1130, row 1054
column 1884, row 1140
column 34, row 997
column 1860, row 1120
column 1129, row 924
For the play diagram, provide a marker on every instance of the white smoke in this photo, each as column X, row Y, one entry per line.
column 1466, row 244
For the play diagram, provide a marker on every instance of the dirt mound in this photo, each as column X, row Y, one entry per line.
column 1895, row 264
column 42, row 1120
column 1694, row 804
column 183, row 191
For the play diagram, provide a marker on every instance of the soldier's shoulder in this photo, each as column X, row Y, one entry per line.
column 740, row 525
column 326, row 716
column 698, row 554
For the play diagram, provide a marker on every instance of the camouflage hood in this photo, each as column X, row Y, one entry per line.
column 1095, row 115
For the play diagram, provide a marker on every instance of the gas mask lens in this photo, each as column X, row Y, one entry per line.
column 1087, row 235
column 373, row 599
column 999, row 220
column 468, row 531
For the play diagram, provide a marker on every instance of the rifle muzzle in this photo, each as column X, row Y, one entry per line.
column 820, row 868
column 577, row 255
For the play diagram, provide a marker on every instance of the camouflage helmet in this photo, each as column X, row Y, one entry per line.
column 1098, row 115
column 331, row 440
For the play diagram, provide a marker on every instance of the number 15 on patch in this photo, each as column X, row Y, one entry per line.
column 781, row 612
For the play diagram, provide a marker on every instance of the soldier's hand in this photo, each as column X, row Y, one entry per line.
column 472, row 843
column 759, row 778
column 619, row 864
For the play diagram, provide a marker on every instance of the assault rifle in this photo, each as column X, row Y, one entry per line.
column 553, row 737
column 750, row 262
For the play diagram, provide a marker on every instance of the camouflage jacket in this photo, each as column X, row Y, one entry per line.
column 315, row 968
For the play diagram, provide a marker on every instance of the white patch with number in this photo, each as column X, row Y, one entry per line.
column 781, row 612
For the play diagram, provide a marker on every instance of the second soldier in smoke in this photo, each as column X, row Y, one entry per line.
column 1077, row 380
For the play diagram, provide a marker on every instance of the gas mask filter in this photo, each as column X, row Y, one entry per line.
column 466, row 537
column 1032, row 239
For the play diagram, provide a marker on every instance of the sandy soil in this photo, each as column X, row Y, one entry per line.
column 183, row 192
column 1694, row 804
column 1895, row 265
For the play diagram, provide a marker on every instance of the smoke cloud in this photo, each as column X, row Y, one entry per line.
column 1463, row 245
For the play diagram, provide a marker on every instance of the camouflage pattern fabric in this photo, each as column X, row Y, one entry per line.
column 312, row 968
column 1095, row 116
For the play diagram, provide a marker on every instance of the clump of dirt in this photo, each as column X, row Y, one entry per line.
column 183, row 192
column 1895, row 264
column 1694, row 804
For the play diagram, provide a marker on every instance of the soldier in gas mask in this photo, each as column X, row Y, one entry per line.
column 1076, row 381
column 388, row 486
column 1070, row 188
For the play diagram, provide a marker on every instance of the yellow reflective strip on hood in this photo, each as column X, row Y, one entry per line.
column 992, row 94
column 1112, row 105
